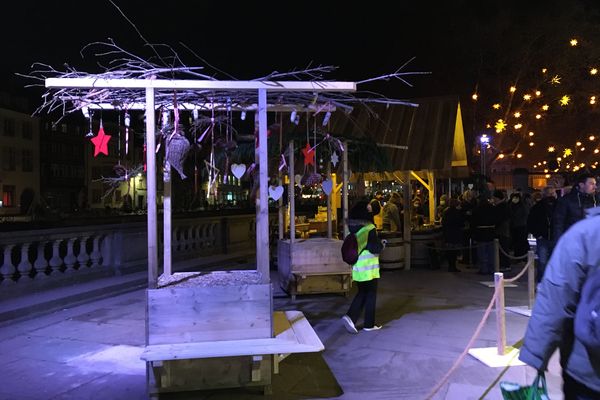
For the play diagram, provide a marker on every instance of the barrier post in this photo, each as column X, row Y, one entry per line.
column 500, row 316
column 496, row 255
column 531, row 278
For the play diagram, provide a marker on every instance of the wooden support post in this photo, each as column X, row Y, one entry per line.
column 496, row 252
column 345, row 179
column 531, row 278
column 167, row 219
column 500, row 316
column 291, row 192
column 262, row 214
column 151, row 193
column 407, row 217
column 432, row 196
column 332, row 193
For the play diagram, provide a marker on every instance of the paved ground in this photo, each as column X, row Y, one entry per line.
column 91, row 351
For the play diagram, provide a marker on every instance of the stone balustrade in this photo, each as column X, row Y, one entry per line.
column 41, row 258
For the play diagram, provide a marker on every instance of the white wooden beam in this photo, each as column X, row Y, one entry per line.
column 262, row 212
column 285, row 86
column 210, row 106
column 151, row 192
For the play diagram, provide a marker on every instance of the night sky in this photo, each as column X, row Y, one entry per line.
column 467, row 45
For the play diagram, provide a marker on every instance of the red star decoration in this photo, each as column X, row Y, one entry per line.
column 100, row 142
column 309, row 155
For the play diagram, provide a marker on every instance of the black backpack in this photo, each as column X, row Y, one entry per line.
column 350, row 250
column 587, row 316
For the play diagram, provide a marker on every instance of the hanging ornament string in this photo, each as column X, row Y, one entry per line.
column 315, row 141
column 127, row 124
column 119, row 136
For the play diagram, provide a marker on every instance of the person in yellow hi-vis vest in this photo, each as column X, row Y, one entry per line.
column 365, row 272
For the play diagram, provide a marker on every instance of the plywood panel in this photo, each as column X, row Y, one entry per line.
column 203, row 314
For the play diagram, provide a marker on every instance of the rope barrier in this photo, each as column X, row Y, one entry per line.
column 497, row 290
column 469, row 345
column 524, row 256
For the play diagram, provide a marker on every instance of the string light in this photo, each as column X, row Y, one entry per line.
column 496, row 106
column 582, row 149
column 517, row 114
column 500, row 126
column 596, row 151
column 593, row 71
column 518, row 126
column 544, row 70
column 573, row 42
column 501, row 155
column 538, row 116
column 531, row 144
column 538, row 93
column 527, row 97
column 545, row 107
column 593, row 100
column 513, row 89
column 551, row 149
column 564, row 100
column 519, row 155
column 578, row 143
column 531, row 133
column 474, row 96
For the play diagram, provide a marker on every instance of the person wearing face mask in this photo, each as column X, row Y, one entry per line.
column 571, row 207
column 518, row 224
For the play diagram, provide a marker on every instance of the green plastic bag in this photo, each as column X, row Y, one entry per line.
column 536, row 391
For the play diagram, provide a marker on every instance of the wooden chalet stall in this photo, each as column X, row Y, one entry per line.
column 422, row 143
column 311, row 265
column 210, row 330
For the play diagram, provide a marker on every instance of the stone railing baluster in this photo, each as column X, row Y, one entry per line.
column 24, row 267
column 41, row 264
column 83, row 257
column 95, row 255
column 56, row 262
column 70, row 258
column 7, row 270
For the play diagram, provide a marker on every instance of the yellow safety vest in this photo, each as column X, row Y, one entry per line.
column 367, row 266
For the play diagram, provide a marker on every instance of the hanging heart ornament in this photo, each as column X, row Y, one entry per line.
column 298, row 179
column 238, row 170
column 275, row 192
column 327, row 185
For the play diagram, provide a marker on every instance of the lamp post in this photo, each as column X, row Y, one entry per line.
column 484, row 140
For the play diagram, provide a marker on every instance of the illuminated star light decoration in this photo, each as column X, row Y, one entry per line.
column 567, row 153
column 500, row 126
column 555, row 80
column 565, row 100
column 100, row 142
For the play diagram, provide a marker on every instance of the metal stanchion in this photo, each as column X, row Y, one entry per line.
column 531, row 278
column 500, row 316
column 496, row 255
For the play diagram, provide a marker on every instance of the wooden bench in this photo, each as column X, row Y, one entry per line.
column 219, row 337
column 296, row 335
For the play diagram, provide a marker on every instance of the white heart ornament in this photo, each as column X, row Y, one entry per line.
column 238, row 170
column 298, row 179
column 327, row 186
column 275, row 192
column 470, row 186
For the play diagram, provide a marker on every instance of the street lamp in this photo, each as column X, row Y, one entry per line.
column 484, row 140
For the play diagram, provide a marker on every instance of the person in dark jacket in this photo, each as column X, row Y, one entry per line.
column 502, row 221
column 366, row 270
column 539, row 224
column 571, row 207
column 551, row 322
column 484, row 225
column 452, row 228
column 518, row 211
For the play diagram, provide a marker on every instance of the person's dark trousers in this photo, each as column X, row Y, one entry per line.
column 451, row 256
column 365, row 298
column 519, row 240
column 504, row 245
column 574, row 390
column 485, row 257
column 543, row 249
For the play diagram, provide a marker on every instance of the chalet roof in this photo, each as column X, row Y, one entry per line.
column 433, row 133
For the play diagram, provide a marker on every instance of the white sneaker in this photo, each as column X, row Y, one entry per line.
column 349, row 324
column 374, row 328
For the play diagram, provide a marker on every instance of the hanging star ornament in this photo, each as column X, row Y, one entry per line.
column 309, row 155
column 564, row 100
column 100, row 142
column 334, row 159
column 567, row 153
